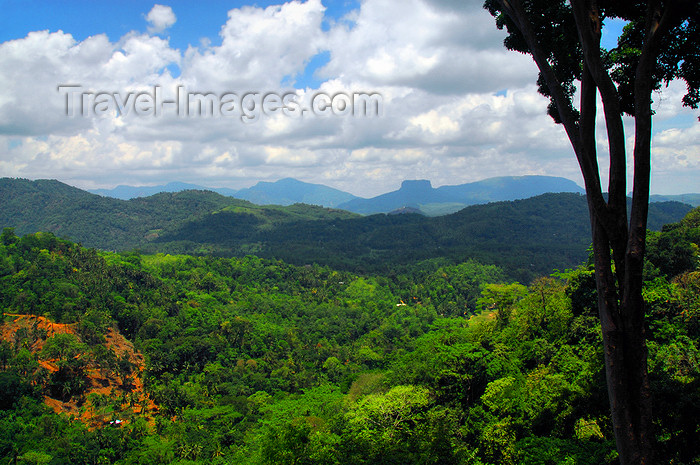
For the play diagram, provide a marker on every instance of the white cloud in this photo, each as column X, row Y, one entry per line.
column 676, row 154
column 435, row 124
column 457, row 106
column 259, row 47
column 160, row 18
column 426, row 46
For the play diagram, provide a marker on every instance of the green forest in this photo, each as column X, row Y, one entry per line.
column 250, row 360
column 193, row 328
column 525, row 238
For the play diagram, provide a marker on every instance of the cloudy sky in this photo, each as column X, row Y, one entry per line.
column 89, row 96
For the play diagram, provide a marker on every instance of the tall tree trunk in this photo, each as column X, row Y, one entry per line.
column 620, row 302
column 625, row 355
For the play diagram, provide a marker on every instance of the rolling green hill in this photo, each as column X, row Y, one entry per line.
column 526, row 237
column 124, row 358
column 113, row 224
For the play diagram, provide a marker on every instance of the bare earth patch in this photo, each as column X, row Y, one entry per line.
column 108, row 397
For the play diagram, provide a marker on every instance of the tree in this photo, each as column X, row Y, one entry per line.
column 388, row 426
column 69, row 355
column 659, row 44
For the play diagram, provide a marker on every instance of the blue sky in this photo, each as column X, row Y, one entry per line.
column 456, row 106
column 196, row 22
column 83, row 18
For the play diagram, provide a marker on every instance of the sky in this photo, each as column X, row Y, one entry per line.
column 356, row 95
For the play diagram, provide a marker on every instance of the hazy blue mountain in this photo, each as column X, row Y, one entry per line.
column 289, row 191
column 690, row 199
column 411, row 195
column 525, row 237
column 131, row 192
column 432, row 201
column 286, row 191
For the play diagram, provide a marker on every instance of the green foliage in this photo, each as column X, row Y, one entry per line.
column 389, row 428
column 526, row 238
column 12, row 389
column 255, row 361
column 501, row 299
column 70, row 357
column 675, row 249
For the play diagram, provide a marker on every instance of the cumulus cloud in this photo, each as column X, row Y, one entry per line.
column 444, row 51
column 456, row 106
column 160, row 18
column 259, row 47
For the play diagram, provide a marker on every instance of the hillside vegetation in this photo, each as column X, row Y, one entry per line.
column 256, row 361
column 526, row 238
column 112, row 224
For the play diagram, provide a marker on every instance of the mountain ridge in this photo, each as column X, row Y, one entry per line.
column 288, row 191
column 109, row 223
column 432, row 201
column 526, row 237
column 413, row 194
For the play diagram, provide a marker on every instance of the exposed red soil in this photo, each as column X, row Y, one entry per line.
column 126, row 397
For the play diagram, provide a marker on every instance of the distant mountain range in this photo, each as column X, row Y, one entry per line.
column 421, row 195
column 123, row 192
column 289, row 191
column 525, row 237
column 415, row 196
column 690, row 199
column 286, row 191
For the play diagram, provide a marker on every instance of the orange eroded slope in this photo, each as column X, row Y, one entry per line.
column 120, row 397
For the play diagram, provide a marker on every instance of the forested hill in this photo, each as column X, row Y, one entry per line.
column 526, row 237
column 175, row 359
column 113, row 224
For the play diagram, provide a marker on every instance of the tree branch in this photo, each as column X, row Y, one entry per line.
column 585, row 151
column 659, row 21
column 515, row 11
column 589, row 26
